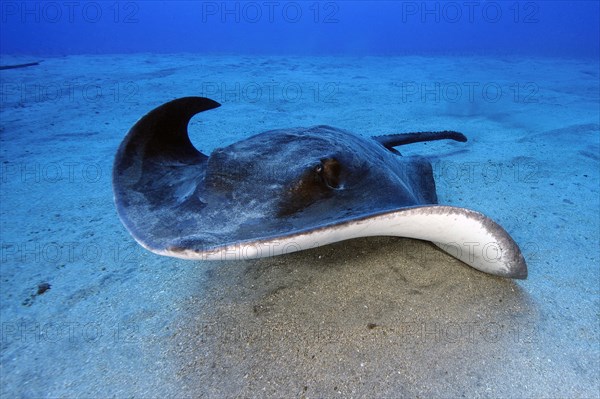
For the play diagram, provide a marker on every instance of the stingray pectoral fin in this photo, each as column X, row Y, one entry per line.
column 467, row 235
column 157, row 169
column 161, row 135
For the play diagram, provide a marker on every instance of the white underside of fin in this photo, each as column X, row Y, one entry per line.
column 465, row 234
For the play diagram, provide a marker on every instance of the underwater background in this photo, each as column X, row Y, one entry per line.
column 548, row 28
column 86, row 312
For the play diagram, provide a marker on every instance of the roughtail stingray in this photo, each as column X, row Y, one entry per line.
column 287, row 190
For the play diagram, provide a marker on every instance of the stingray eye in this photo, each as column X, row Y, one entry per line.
column 315, row 184
column 329, row 170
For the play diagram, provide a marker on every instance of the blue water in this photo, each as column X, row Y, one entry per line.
column 118, row 321
column 547, row 28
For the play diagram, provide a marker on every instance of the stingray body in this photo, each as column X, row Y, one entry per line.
column 287, row 190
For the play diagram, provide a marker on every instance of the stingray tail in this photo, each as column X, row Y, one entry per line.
column 390, row 141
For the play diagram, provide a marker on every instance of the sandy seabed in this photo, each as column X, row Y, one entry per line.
column 377, row 317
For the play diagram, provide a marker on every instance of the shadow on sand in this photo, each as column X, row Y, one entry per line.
column 376, row 316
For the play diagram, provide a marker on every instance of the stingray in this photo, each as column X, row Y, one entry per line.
column 288, row 190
